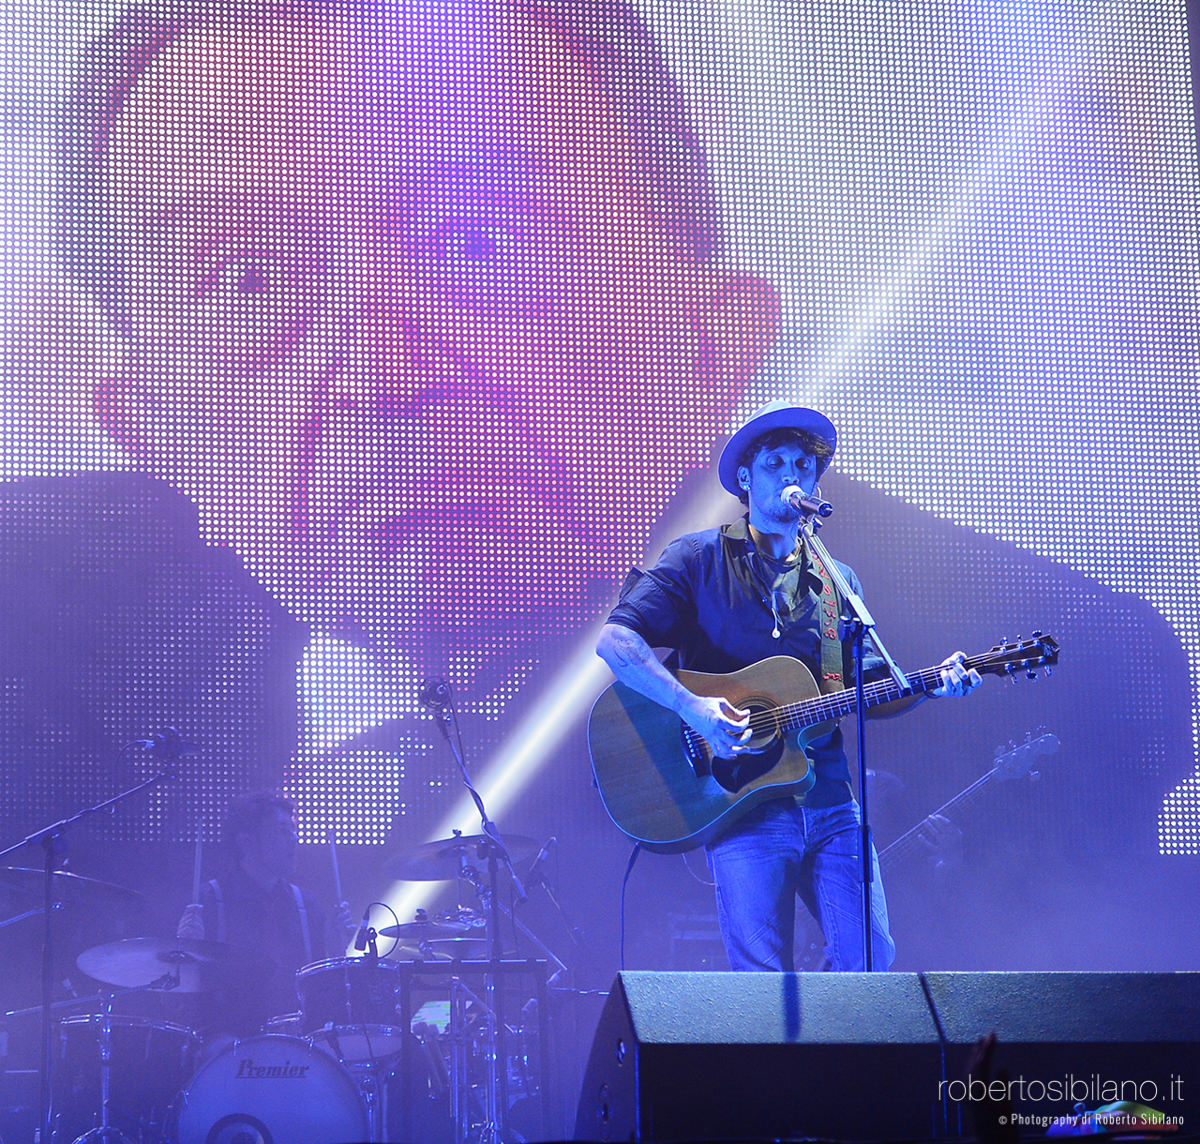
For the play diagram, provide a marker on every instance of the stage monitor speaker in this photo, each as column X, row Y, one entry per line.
column 1068, row 1039
column 710, row 1056
column 698, row 1056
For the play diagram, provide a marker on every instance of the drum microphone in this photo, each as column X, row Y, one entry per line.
column 364, row 932
column 808, row 503
column 534, row 873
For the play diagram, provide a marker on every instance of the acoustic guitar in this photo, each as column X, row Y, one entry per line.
column 663, row 786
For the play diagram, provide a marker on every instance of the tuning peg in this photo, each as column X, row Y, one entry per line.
column 1037, row 633
column 1031, row 673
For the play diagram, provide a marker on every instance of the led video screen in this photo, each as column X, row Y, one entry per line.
column 350, row 345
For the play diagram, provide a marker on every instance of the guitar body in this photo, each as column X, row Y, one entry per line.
column 671, row 798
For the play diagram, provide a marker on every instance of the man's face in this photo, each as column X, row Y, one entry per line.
column 271, row 848
column 403, row 324
column 771, row 471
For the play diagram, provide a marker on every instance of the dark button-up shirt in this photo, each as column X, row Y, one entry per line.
column 716, row 601
column 270, row 941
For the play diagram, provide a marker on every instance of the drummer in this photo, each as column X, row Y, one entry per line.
column 271, row 925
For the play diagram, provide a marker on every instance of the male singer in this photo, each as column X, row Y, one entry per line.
column 724, row 599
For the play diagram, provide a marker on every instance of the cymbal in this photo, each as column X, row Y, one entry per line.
column 464, row 916
column 140, row 962
column 67, row 886
column 441, row 861
column 412, row 953
column 461, row 948
column 425, row 931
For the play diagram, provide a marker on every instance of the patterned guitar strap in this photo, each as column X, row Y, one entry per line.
column 832, row 658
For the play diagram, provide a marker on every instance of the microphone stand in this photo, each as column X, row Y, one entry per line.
column 439, row 698
column 857, row 623
column 53, row 841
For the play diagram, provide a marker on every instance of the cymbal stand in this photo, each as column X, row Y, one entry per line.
column 105, row 1133
column 471, row 876
column 439, row 698
column 461, row 1039
column 53, row 841
column 367, row 1080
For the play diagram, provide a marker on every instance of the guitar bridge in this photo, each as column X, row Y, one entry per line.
column 696, row 751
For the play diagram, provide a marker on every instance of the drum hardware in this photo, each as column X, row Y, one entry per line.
column 353, row 1006
column 139, row 1065
column 457, row 949
column 441, row 860
column 422, row 929
column 461, row 936
column 69, row 889
column 52, row 840
column 477, row 1060
column 461, row 857
column 105, row 1131
column 462, row 1040
column 426, row 952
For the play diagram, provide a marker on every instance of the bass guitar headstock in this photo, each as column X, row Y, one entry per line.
column 1018, row 760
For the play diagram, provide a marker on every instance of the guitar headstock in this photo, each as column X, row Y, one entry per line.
column 1027, row 656
column 1018, row 761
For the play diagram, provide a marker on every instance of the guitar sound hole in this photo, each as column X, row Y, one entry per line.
column 734, row 774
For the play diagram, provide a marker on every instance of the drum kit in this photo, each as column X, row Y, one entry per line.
column 416, row 1043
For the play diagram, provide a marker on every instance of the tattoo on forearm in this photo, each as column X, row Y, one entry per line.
column 628, row 652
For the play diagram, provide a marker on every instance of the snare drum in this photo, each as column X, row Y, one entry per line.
column 352, row 1007
column 149, row 1061
column 271, row 1088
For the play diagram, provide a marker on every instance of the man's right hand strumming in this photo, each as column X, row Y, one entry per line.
column 725, row 728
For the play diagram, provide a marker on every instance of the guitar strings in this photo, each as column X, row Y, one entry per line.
column 839, row 703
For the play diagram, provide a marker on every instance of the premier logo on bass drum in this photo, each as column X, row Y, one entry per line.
column 248, row 1070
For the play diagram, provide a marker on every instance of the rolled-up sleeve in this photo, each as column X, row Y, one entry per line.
column 660, row 603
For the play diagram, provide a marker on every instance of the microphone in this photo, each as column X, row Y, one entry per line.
column 364, row 931
column 809, row 504
column 434, row 694
column 169, row 743
column 542, row 855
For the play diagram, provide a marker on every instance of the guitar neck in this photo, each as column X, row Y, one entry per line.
column 909, row 841
column 1014, row 763
column 837, row 704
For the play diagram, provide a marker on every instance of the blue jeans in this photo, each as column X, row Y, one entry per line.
column 781, row 850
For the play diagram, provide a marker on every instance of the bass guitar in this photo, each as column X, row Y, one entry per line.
column 663, row 786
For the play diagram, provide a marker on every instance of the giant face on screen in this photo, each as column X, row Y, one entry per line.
column 419, row 299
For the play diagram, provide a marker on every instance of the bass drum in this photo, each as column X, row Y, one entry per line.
column 271, row 1090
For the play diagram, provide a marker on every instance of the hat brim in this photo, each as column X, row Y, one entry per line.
column 776, row 416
